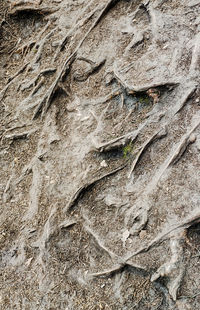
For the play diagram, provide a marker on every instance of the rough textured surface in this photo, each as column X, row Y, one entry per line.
column 99, row 154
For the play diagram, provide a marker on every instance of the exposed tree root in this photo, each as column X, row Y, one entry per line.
column 15, row 127
column 77, row 24
column 26, row 171
column 174, row 269
column 99, row 242
column 103, row 12
column 117, row 142
column 45, row 102
column 152, row 90
column 37, row 42
column 49, row 230
column 21, row 70
column 23, row 8
column 165, row 235
column 137, row 39
column 8, row 191
column 118, row 269
column 33, row 82
column 47, row 98
column 186, row 97
column 38, row 86
column 94, row 69
column 195, row 55
column 107, row 98
column 67, row 224
column 11, row 79
column 140, row 220
column 40, row 46
column 25, row 48
column 158, row 135
column 185, row 141
column 22, row 135
column 81, row 191
column 172, row 158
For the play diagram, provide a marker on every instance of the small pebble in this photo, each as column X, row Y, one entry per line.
column 197, row 100
column 142, row 234
column 103, row 164
column 192, row 138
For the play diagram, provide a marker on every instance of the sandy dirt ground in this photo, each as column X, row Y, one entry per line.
column 100, row 155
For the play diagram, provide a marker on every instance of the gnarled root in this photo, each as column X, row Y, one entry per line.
column 158, row 135
column 80, row 192
column 174, row 269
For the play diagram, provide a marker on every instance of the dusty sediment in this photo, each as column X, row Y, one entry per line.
column 99, row 154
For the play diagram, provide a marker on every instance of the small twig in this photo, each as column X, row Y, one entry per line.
column 67, row 224
column 192, row 296
column 117, row 269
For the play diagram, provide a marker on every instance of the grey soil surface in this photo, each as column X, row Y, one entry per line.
column 100, row 155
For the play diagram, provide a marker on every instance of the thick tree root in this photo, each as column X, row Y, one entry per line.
column 103, row 12
column 100, row 243
column 158, row 135
column 23, row 8
column 94, row 69
column 47, row 98
column 33, row 82
column 185, row 98
column 174, row 269
column 165, row 235
column 80, row 192
column 187, row 139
